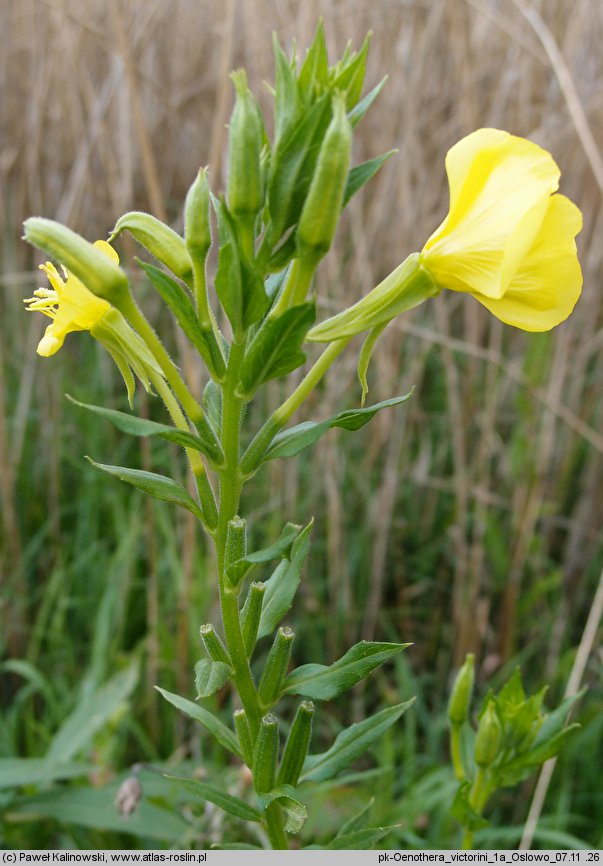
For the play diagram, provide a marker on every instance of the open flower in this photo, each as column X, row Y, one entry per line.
column 73, row 307
column 507, row 239
column 70, row 305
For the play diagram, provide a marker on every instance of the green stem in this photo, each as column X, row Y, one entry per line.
column 309, row 382
column 275, row 828
column 467, row 840
column 455, row 752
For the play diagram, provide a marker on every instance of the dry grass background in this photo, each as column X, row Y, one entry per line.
column 112, row 106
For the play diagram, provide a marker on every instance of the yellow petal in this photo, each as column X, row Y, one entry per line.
column 548, row 283
column 107, row 249
column 499, row 187
column 50, row 343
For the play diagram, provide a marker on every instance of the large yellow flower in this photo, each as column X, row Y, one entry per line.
column 70, row 305
column 507, row 239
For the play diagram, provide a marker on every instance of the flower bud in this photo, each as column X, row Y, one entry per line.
column 160, row 240
column 488, row 739
column 296, row 747
column 276, row 666
column 265, row 755
column 245, row 193
column 252, row 614
column 197, row 228
column 322, row 207
column 244, row 734
column 128, row 796
column 460, row 699
column 99, row 273
column 236, row 541
column 213, row 645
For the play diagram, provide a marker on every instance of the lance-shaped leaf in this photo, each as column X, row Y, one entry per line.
column 282, row 585
column 38, row 771
column 245, row 566
column 290, row 442
column 350, row 744
column 158, row 486
column 276, row 348
column 287, row 107
column 210, row 676
column 222, row 734
column 142, row 427
column 181, row 306
column 322, row 682
column 295, row 811
column 361, row 174
column 359, row 110
column 359, row 840
column 233, row 805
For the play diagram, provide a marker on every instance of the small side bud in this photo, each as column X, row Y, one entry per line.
column 244, row 734
column 213, row 645
column 251, row 615
column 245, row 188
column 488, row 738
column 296, row 747
column 265, row 755
column 276, row 666
column 160, row 240
column 460, row 699
column 128, row 796
column 99, row 273
column 197, row 227
column 236, row 541
column 322, row 208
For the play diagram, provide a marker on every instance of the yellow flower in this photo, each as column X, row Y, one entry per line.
column 507, row 239
column 70, row 305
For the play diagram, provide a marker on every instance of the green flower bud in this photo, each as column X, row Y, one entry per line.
column 410, row 284
column 197, row 227
column 265, row 755
column 236, row 541
column 213, row 645
column 102, row 276
column 244, row 192
column 251, row 615
column 322, row 207
column 460, row 699
column 488, row 739
column 160, row 240
column 244, row 734
column 276, row 666
column 296, row 747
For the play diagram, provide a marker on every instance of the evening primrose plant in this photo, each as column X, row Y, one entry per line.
column 508, row 241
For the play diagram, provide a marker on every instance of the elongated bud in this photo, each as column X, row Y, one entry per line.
column 276, row 666
column 408, row 285
column 160, row 240
column 252, row 614
column 236, row 541
column 102, row 276
column 244, row 734
column 197, row 227
column 322, row 208
column 488, row 738
column 213, row 645
column 296, row 747
column 244, row 190
column 460, row 699
column 265, row 755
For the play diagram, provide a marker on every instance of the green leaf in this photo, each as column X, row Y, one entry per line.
column 181, row 306
column 351, row 743
column 94, row 807
column 276, row 348
column 159, row 486
column 233, row 805
column 15, row 772
column 290, row 442
column 527, row 762
column 357, row 821
column 313, row 76
column 359, row 840
column 358, row 112
column 282, row 585
column 222, row 734
column 91, row 715
column 245, row 566
column 464, row 812
column 287, row 106
column 323, row 683
column 141, row 427
column 210, row 676
column 212, row 400
column 350, row 77
column 295, row 811
column 361, row 174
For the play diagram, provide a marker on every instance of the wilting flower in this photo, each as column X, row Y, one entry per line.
column 508, row 239
column 72, row 307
